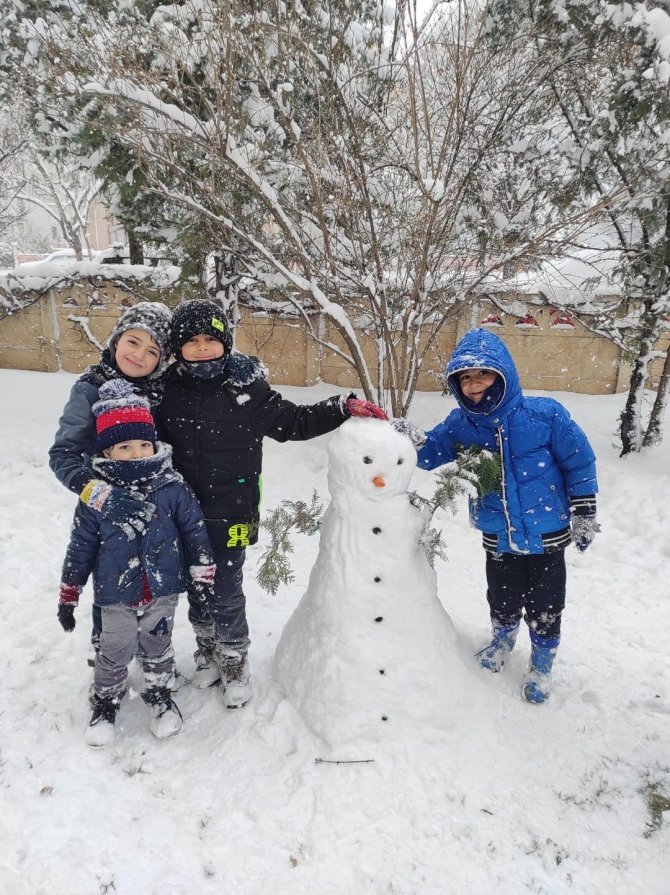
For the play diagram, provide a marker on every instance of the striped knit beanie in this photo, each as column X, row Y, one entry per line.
column 121, row 415
column 191, row 318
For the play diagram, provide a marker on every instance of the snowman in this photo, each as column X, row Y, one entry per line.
column 369, row 652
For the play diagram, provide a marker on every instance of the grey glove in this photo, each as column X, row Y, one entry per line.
column 584, row 530
column 415, row 434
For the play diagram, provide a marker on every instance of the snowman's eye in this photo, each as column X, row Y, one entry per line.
column 367, row 459
column 401, row 461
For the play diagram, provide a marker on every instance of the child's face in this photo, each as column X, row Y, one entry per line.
column 474, row 383
column 202, row 347
column 136, row 353
column 134, row 449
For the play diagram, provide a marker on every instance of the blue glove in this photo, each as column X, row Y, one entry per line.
column 584, row 530
column 118, row 505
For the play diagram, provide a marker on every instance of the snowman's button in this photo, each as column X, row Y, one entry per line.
column 382, row 671
column 379, row 618
column 377, row 579
column 376, row 530
column 385, row 717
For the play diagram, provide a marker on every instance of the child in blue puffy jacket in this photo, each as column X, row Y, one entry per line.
column 137, row 575
column 546, row 498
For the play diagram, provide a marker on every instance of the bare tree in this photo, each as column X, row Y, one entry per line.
column 351, row 164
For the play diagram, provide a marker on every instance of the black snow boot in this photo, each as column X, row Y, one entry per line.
column 166, row 721
column 101, row 726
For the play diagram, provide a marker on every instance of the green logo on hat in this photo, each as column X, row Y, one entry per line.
column 218, row 324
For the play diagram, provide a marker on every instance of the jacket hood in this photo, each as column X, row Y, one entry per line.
column 481, row 348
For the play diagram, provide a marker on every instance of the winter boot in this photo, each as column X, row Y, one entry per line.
column 100, row 730
column 537, row 681
column 235, row 678
column 493, row 656
column 207, row 672
column 166, row 721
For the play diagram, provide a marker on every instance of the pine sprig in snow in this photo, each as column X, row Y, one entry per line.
column 275, row 568
column 475, row 472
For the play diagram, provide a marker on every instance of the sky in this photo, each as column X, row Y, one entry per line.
column 488, row 793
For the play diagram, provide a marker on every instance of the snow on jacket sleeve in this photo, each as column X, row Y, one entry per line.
column 75, row 438
column 440, row 446
column 82, row 551
column 285, row 421
column 573, row 453
column 190, row 523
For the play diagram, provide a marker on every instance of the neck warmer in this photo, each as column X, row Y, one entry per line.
column 205, row 369
column 490, row 400
column 135, row 475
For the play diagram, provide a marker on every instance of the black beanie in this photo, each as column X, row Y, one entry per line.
column 191, row 318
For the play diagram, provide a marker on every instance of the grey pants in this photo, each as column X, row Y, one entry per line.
column 125, row 631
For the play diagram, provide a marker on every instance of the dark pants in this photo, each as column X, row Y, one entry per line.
column 227, row 612
column 531, row 582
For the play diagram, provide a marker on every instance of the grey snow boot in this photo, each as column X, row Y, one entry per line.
column 493, row 656
column 235, row 677
column 207, row 673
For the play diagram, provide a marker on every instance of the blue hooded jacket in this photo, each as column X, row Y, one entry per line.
column 546, row 458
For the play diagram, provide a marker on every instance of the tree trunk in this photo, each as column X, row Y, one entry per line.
column 135, row 248
column 631, row 417
column 654, row 433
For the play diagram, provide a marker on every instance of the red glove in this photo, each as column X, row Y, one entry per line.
column 357, row 407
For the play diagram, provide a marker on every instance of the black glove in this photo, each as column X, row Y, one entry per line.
column 415, row 434
column 202, row 582
column 584, row 530
column 66, row 616
column 584, row 524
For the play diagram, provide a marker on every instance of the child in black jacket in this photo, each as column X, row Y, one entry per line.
column 216, row 410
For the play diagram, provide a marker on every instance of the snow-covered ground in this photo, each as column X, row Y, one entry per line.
column 506, row 798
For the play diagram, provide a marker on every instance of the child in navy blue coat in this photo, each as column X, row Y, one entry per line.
column 137, row 575
column 546, row 498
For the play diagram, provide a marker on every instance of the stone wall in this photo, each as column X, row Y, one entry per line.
column 552, row 351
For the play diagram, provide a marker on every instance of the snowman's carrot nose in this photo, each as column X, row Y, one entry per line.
column 378, row 481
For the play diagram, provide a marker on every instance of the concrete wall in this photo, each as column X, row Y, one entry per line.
column 552, row 353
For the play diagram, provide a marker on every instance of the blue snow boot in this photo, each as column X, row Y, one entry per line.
column 493, row 656
column 537, row 682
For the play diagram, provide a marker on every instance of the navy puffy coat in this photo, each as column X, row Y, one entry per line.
column 546, row 457
column 173, row 540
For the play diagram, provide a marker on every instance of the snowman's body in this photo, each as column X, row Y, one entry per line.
column 369, row 651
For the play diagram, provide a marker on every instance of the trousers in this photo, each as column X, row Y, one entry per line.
column 226, row 613
column 533, row 582
column 127, row 630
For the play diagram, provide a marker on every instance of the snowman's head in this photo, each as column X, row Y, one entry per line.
column 367, row 458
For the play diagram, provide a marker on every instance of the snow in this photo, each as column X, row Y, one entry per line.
column 510, row 798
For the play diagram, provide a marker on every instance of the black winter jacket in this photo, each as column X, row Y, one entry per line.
column 216, row 428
